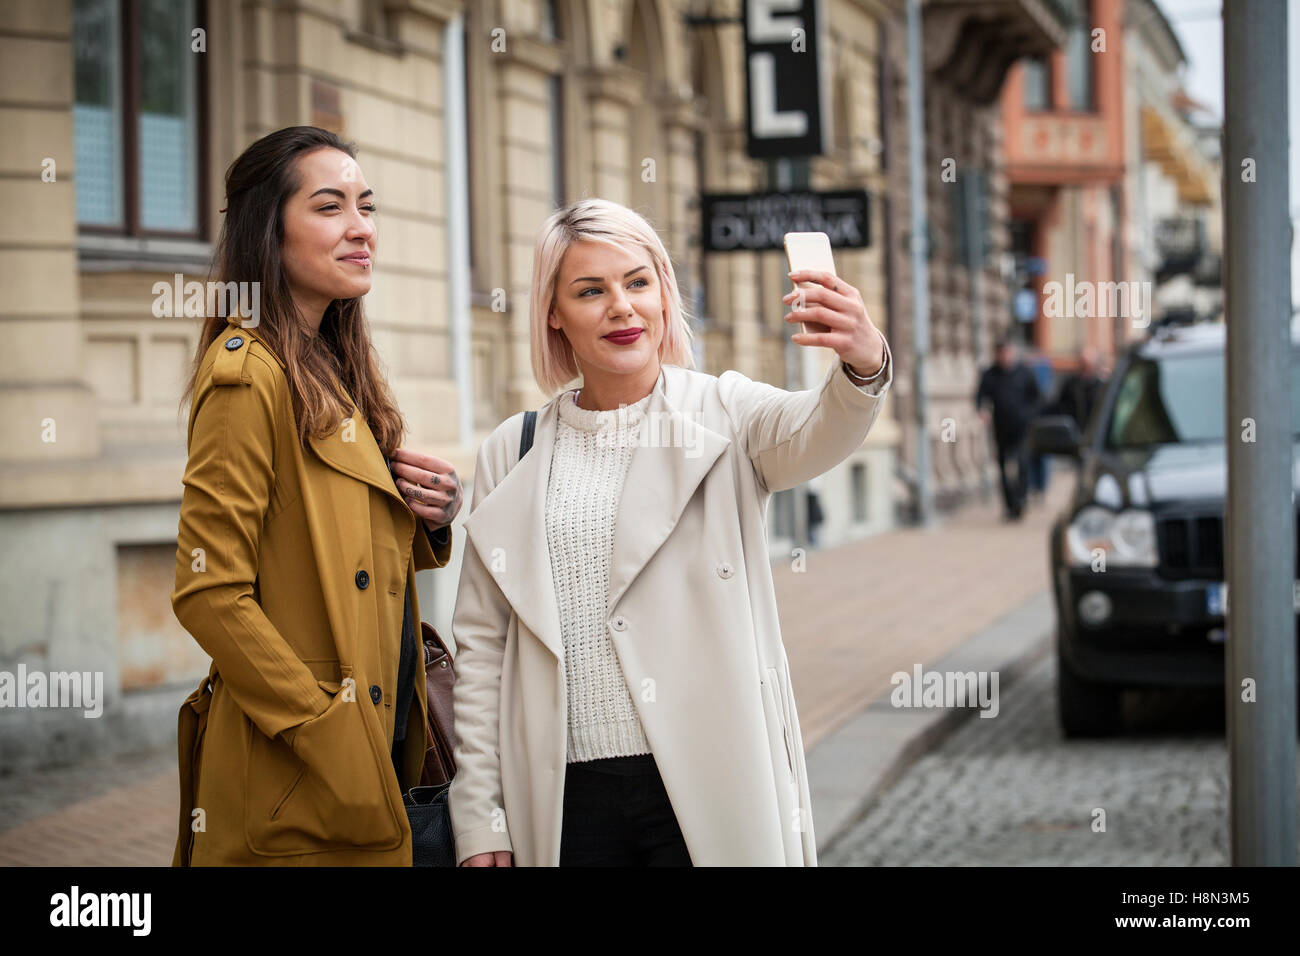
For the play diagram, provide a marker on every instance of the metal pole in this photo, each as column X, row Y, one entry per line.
column 782, row 178
column 457, row 186
column 975, row 228
column 1260, row 529
column 920, row 272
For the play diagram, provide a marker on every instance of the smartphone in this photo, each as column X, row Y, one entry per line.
column 809, row 250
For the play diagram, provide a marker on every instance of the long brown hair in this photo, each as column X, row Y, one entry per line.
column 258, row 184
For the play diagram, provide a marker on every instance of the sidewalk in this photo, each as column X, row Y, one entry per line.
column 861, row 612
column 852, row 618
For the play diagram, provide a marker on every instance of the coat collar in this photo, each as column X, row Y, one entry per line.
column 672, row 458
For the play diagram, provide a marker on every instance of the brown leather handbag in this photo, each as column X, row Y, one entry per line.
column 427, row 810
column 440, row 731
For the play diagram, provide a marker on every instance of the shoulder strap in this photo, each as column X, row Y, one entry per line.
column 526, row 436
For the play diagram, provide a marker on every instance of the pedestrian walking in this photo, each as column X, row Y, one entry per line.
column 1039, row 465
column 1008, row 398
column 1079, row 390
column 622, row 693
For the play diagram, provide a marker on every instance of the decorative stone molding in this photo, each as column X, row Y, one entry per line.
column 614, row 82
column 440, row 11
column 973, row 44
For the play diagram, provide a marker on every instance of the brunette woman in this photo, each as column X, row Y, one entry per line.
column 298, row 545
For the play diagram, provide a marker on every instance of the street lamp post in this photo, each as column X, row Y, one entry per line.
column 1260, row 517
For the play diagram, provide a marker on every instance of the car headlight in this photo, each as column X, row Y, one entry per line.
column 1127, row 539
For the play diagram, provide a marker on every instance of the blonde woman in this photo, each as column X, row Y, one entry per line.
column 622, row 692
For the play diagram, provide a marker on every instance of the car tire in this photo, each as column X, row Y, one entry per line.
column 1085, row 708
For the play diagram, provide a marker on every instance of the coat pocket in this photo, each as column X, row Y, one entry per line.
column 326, row 792
column 773, row 689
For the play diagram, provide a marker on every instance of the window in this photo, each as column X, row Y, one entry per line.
column 1176, row 400
column 1038, row 90
column 556, row 90
column 1078, row 57
column 136, row 116
column 550, row 30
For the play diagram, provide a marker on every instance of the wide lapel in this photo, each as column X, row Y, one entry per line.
column 674, row 454
column 359, row 459
column 508, row 530
column 352, row 449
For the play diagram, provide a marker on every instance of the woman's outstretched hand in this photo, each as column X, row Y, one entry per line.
column 834, row 303
column 429, row 485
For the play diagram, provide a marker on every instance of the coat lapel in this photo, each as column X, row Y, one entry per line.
column 352, row 450
column 508, row 528
column 673, row 455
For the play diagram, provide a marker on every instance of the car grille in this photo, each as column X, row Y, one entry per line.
column 1191, row 546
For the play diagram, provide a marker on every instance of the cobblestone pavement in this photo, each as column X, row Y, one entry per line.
column 1012, row 791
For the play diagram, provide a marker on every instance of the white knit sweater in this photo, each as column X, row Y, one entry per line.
column 588, row 466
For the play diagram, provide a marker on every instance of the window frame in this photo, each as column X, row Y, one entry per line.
column 131, row 229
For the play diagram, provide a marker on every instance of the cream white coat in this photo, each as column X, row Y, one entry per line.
column 691, row 612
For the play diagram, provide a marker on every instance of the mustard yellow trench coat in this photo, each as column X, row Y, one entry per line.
column 291, row 571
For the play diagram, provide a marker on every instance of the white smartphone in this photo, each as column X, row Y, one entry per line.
column 809, row 250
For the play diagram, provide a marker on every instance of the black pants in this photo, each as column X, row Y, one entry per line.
column 1013, row 463
column 616, row 813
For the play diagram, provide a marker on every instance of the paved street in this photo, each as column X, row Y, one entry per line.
column 1011, row 791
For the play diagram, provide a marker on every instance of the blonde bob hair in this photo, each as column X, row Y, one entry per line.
column 597, row 220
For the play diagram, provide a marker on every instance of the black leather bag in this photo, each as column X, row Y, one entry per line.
column 432, row 843
column 432, row 840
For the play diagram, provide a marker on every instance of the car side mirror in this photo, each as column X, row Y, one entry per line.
column 1054, row 435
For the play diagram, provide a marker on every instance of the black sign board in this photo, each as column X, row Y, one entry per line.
column 783, row 109
column 751, row 222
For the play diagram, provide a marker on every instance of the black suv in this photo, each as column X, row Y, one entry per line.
column 1137, row 555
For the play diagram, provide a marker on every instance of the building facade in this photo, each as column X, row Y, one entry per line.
column 473, row 121
column 1114, row 196
column 969, row 51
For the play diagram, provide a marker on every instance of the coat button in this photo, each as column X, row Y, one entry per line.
column 376, row 694
column 618, row 624
column 363, row 579
column 234, row 343
column 725, row 571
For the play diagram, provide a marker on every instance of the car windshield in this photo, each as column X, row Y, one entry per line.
column 1174, row 400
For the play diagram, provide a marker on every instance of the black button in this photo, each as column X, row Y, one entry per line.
column 234, row 343
column 375, row 693
column 363, row 580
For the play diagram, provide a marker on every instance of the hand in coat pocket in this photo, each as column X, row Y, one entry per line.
column 342, row 798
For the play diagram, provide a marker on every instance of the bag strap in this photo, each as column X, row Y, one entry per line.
column 526, row 436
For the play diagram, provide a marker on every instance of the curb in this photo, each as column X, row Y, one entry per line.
column 851, row 768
